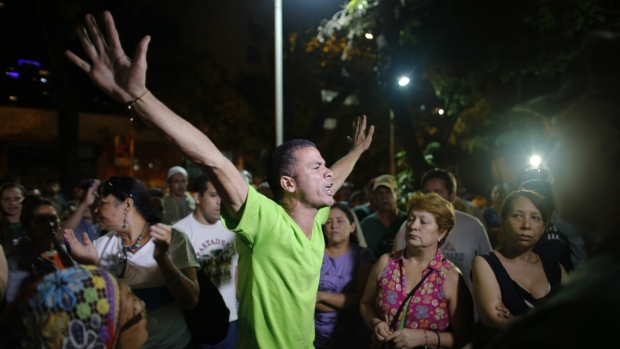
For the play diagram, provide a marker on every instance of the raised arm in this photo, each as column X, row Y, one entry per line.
column 75, row 218
column 125, row 80
column 361, row 141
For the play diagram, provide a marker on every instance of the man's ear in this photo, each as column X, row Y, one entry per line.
column 196, row 197
column 453, row 197
column 288, row 184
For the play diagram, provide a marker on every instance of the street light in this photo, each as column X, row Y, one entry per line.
column 279, row 88
column 535, row 160
column 403, row 80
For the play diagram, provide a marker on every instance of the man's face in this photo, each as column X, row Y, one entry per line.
column 158, row 207
column 208, row 205
column 385, row 199
column 313, row 179
column 178, row 184
column 436, row 185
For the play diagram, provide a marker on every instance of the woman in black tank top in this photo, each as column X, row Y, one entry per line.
column 512, row 279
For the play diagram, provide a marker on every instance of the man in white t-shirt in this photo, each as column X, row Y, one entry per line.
column 215, row 250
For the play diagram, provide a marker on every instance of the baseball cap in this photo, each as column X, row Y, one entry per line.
column 385, row 180
column 176, row 169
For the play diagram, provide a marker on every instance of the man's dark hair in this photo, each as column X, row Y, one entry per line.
column 442, row 174
column 29, row 205
column 281, row 163
column 200, row 184
column 543, row 188
column 156, row 192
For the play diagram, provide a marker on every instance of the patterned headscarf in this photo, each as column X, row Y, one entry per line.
column 71, row 308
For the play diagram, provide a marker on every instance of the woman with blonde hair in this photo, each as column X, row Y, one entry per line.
column 415, row 297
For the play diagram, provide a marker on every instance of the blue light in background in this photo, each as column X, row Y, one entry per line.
column 28, row 62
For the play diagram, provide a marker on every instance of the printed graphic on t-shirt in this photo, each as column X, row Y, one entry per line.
column 450, row 252
column 215, row 257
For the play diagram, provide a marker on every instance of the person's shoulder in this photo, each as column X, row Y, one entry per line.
column 363, row 252
column 184, row 224
column 361, row 208
column 470, row 221
column 371, row 217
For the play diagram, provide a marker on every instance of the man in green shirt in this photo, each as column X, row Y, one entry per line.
column 280, row 243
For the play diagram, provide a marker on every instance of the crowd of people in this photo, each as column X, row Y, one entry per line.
column 303, row 260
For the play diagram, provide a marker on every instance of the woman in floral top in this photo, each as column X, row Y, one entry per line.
column 415, row 297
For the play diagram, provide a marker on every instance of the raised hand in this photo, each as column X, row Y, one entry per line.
column 110, row 68
column 91, row 195
column 83, row 254
column 162, row 236
column 360, row 137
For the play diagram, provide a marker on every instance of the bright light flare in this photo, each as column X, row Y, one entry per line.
column 369, row 36
column 440, row 111
column 535, row 160
column 403, row 81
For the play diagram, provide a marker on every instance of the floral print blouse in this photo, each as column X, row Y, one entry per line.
column 428, row 309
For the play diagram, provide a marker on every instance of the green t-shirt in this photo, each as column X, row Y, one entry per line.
column 279, row 271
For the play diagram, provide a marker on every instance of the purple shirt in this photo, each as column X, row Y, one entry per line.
column 342, row 329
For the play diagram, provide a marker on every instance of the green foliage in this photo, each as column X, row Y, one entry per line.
column 482, row 57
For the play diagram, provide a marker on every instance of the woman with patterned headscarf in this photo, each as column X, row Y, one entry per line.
column 79, row 307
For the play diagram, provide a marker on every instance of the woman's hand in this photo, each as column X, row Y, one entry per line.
column 381, row 331
column 407, row 338
column 319, row 296
column 503, row 312
column 162, row 235
column 83, row 254
column 91, row 194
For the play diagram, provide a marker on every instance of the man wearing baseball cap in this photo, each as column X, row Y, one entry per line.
column 178, row 203
column 381, row 227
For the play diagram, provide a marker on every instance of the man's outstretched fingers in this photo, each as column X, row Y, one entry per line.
column 95, row 34
column 80, row 63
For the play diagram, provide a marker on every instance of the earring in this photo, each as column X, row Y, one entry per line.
column 125, row 222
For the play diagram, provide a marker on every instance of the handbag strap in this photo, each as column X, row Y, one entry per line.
column 406, row 300
column 410, row 295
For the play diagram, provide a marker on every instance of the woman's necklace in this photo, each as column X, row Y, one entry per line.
column 135, row 246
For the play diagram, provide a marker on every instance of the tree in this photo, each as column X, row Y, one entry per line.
column 480, row 58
